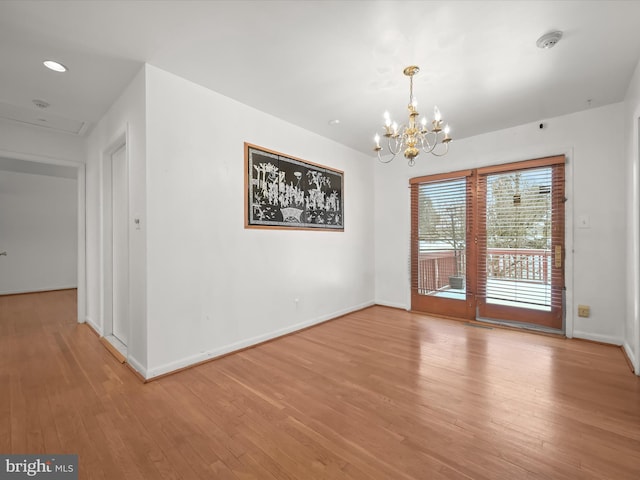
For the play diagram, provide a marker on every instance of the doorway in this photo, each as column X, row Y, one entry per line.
column 115, row 239
column 488, row 243
column 48, row 166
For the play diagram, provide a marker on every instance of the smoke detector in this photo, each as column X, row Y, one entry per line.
column 549, row 40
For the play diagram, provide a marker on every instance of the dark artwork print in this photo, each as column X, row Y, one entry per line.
column 285, row 192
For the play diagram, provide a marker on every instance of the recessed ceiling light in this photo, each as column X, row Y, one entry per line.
column 55, row 66
column 335, row 121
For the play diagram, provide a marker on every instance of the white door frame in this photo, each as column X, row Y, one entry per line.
column 106, row 267
column 82, row 246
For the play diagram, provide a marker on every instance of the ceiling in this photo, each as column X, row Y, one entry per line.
column 310, row 62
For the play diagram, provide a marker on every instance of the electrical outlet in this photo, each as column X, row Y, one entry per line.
column 584, row 310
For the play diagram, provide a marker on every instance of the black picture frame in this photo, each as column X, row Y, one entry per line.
column 289, row 193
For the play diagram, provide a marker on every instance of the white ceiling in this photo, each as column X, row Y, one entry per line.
column 309, row 62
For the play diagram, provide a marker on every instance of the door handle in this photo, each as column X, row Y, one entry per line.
column 3, row 253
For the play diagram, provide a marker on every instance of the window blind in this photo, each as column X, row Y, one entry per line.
column 440, row 233
column 501, row 228
column 521, row 237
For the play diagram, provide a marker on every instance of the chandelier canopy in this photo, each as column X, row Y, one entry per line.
column 414, row 137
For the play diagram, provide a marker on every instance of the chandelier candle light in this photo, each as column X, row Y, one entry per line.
column 413, row 137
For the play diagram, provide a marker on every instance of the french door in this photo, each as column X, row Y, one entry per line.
column 511, row 253
column 442, row 231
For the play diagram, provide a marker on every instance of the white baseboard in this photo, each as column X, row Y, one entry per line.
column 38, row 290
column 225, row 349
column 632, row 358
column 392, row 305
column 94, row 325
column 137, row 366
column 596, row 337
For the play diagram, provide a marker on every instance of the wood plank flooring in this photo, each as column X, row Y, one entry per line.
column 378, row 394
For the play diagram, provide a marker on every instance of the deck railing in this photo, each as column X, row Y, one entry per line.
column 436, row 267
column 530, row 265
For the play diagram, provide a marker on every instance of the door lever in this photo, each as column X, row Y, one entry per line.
column 3, row 253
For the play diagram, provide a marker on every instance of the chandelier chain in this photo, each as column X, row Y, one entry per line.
column 411, row 89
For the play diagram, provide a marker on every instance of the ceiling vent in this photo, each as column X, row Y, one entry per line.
column 41, row 117
column 40, row 103
column 549, row 40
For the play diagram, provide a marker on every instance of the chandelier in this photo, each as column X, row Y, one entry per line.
column 414, row 137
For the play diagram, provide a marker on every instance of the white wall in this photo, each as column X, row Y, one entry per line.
column 632, row 134
column 596, row 177
column 36, row 143
column 38, row 229
column 126, row 117
column 214, row 286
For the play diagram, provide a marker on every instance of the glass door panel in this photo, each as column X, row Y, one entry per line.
column 520, row 249
column 440, row 234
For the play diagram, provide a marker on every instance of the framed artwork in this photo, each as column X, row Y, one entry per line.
column 286, row 192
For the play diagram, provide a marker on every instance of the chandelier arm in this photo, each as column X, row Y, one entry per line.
column 429, row 146
column 385, row 161
column 446, row 150
column 398, row 146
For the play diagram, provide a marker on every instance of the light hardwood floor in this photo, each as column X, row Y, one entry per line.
column 377, row 394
